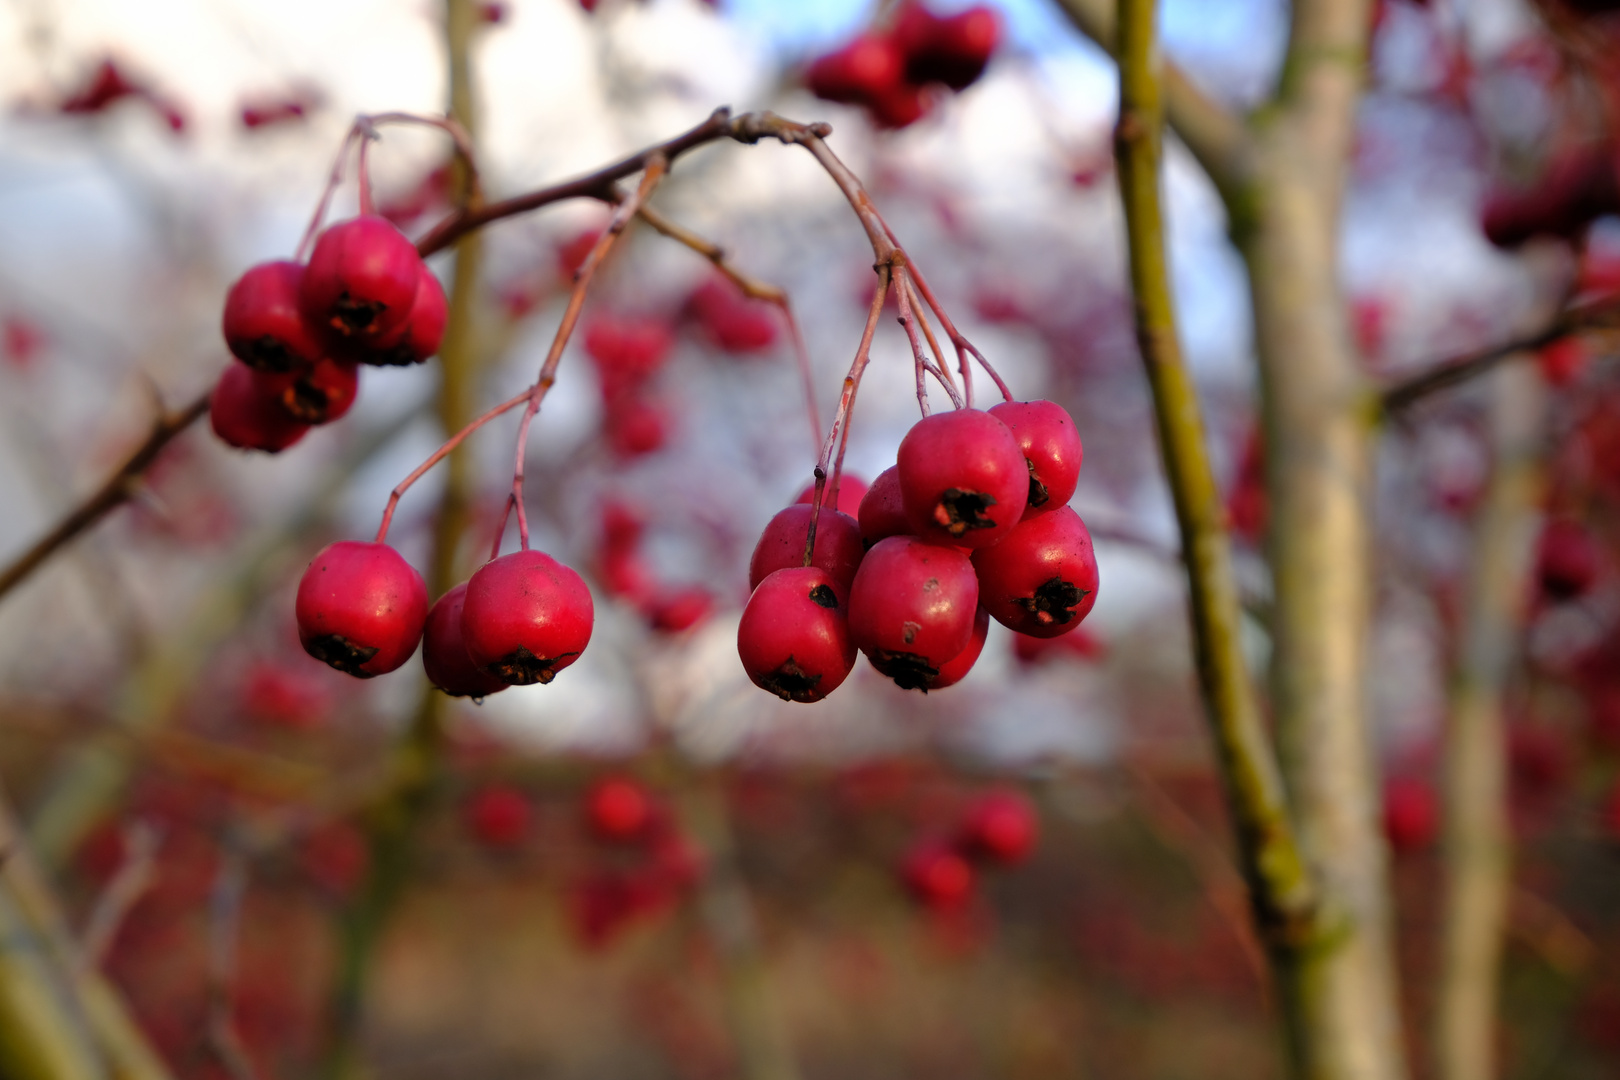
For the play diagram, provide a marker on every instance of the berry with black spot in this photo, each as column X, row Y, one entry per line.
column 953, row 49
column 912, row 607
column 247, row 416
column 318, row 394
column 1050, row 443
column 526, row 616
column 963, row 479
column 263, row 325
column 419, row 336
column 1567, row 561
column 361, row 280
column 361, row 608
column 1042, row 579
column 794, row 635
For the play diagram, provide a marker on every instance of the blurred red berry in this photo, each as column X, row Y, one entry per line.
column 937, row 876
column 1411, row 813
column 1567, row 559
column 618, row 810
column 499, row 816
column 1000, row 827
column 21, row 341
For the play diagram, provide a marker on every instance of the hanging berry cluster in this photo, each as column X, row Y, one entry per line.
column 888, row 70
column 972, row 523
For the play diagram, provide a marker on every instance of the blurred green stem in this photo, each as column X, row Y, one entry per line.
column 1477, row 855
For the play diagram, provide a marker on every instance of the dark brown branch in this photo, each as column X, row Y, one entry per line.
column 113, row 493
column 1446, row 374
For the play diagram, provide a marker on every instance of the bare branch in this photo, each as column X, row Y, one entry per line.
column 133, row 878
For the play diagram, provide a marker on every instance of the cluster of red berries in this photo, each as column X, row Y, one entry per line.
column 887, row 71
column 999, row 829
column 299, row 331
column 620, row 813
column 972, row 523
column 520, row 619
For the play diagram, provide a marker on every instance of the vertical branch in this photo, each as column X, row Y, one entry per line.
column 728, row 914
column 1280, row 884
column 1477, row 839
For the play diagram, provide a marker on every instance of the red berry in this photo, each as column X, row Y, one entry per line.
column 526, row 616
column 911, row 608
column 956, row 669
column 1411, row 816
column 1568, row 559
column 317, row 394
column 626, row 352
column 419, row 336
column 781, row 545
column 851, row 490
column 1000, row 827
column 618, row 810
column 859, row 73
column 1577, row 185
column 952, row 50
column 1078, row 644
column 737, row 322
column 361, row 280
column 361, row 608
column 245, row 416
column 1047, row 438
column 1042, row 579
column 937, row 876
column 262, row 323
column 444, row 656
column 900, row 106
column 677, row 610
column 1562, row 361
column 882, row 512
column 635, row 427
column 499, row 816
column 963, row 478
column 794, row 635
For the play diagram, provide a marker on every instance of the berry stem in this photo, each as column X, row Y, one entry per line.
column 500, row 527
column 333, row 179
column 440, row 454
column 908, row 319
column 657, row 166
column 458, row 135
column 920, row 315
column 964, row 347
column 363, row 169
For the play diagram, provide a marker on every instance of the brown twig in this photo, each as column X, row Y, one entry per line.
column 116, row 490
column 1406, row 392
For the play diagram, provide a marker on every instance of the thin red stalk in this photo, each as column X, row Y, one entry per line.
column 920, row 313
column 458, row 135
column 801, row 356
column 500, row 528
column 962, row 344
column 363, row 170
column 908, row 319
column 565, row 329
column 839, row 431
column 333, row 179
column 440, row 454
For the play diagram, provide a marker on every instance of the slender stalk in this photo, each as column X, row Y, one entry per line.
column 1280, row 884
column 1477, row 839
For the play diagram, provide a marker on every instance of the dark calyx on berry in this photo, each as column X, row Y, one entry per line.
column 1054, row 601
column 959, row 510
column 824, row 597
column 520, row 667
column 270, row 353
column 350, row 316
column 339, row 652
column 790, row 682
column 1038, row 495
column 908, row 670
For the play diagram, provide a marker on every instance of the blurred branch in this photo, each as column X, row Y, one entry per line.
column 1280, row 884
column 224, row 920
column 1476, row 852
column 1214, row 134
column 116, row 490
column 1448, row 373
column 132, row 879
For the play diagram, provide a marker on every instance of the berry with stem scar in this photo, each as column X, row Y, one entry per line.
column 912, row 607
column 526, row 617
column 361, row 280
column 962, row 478
column 1042, row 579
column 262, row 323
column 361, row 608
column 794, row 635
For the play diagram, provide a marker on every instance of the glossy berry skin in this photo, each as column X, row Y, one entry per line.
column 1567, row 560
column 1000, row 827
column 419, row 336
column 246, row 416
column 361, row 608
column 912, row 607
column 318, row 394
column 962, row 478
column 263, row 325
column 1046, row 436
column 444, row 656
column 955, row 670
column 937, row 876
column 953, row 50
column 1042, row 579
column 882, row 512
column 859, row 73
column 499, row 816
column 526, row 617
column 618, row 810
column 838, row 544
column 794, row 635
column 851, row 490
column 361, row 280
